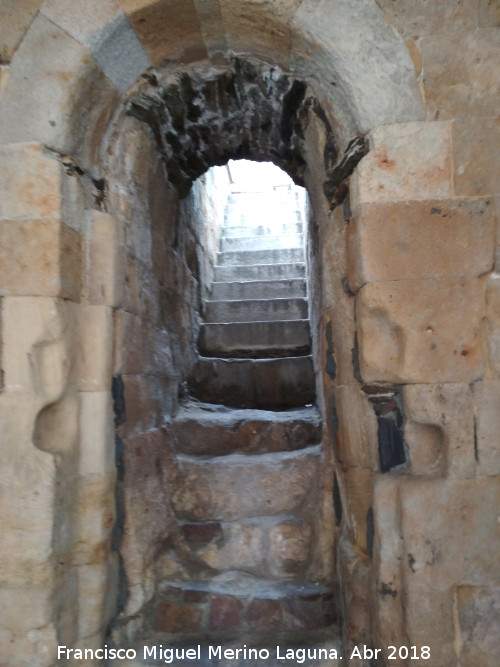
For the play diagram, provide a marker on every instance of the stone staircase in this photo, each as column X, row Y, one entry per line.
column 248, row 443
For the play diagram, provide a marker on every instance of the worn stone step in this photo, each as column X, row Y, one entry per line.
column 258, row 289
column 236, row 486
column 258, row 310
column 255, row 339
column 270, row 384
column 264, row 242
column 272, row 547
column 279, row 256
column 203, row 429
column 272, row 227
column 275, row 271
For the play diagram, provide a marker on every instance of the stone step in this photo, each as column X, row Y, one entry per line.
column 275, row 271
column 259, row 289
column 255, row 339
column 255, row 310
column 271, row 227
column 270, row 384
column 263, row 242
column 237, row 486
column 204, row 429
column 246, row 257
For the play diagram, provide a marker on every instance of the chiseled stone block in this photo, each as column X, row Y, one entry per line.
column 105, row 270
column 95, row 358
column 16, row 19
column 167, row 29
column 97, row 433
column 427, row 17
column 407, row 335
column 478, row 612
column 289, row 544
column 357, row 430
column 439, row 429
column 475, row 156
column 95, row 517
column 406, row 162
column 421, row 239
column 493, row 323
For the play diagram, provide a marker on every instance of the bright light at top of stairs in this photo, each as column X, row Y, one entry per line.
column 250, row 176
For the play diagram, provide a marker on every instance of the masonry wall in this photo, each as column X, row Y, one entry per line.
column 407, row 305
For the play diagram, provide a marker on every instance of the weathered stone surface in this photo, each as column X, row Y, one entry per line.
column 489, row 13
column 203, row 429
column 97, row 438
column 476, row 169
column 406, row 336
column 478, row 611
column 439, row 429
column 104, row 29
column 358, row 495
column 129, row 351
column 461, row 82
column 95, row 356
column 289, row 544
column 240, row 486
column 432, row 239
column 147, row 399
column 40, row 257
column 95, row 515
column 340, row 39
column 261, row 27
column 4, row 76
column 97, row 596
column 428, row 17
column 224, row 613
column 30, row 183
column 158, row 24
column 405, row 162
column 492, row 320
column 16, row 18
column 177, row 617
column 105, row 269
column 64, row 103
column 487, row 414
column 357, row 429
column 243, row 548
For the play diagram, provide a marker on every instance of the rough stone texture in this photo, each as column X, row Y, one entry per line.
column 158, row 24
column 478, row 611
column 406, row 336
column 428, row 17
column 487, row 415
column 409, row 240
column 105, row 262
column 43, row 89
column 357, row 426
column 476, row 171
column 439, row 429
column 461, row 82
column 407, row 161
column 16, row 18
column 243, row 486
column 289, row 546
column 95, row 353
column 489, row 13
column 212, row 29
column 97, row 444
column 492, row 319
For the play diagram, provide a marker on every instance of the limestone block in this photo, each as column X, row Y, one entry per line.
column 352, row 46
column 147, row 399
column 358, row 501
column 129, row 348
column 105, row 262
column 421, row 330
column 489, row 13
column 461, row 82
column 95, row 517
column 95, row 348
column 260, row 27
column 167, row 29
column 37, row 647
column 38, row 345
column 97, row 433
column 487, row 412
column 356, row 571
column 30, row 183
column 4, row 76
column 16, row 18
column 439, row 429
column 241, row 486
column 457, row 541
column 357, row 429
column 406, row 162
column 388, row 563
column 57, row 95
column 40, row 257
column 289, row 544
column 475, row 160
column 431, row 239
column 492, row 322
column 478, row 611
column 212, row 28
column 428, row 17
column 56, row 426
column 97, row 595
column 104, row 29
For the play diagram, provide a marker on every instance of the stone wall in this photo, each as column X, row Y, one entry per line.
column 100, row 265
